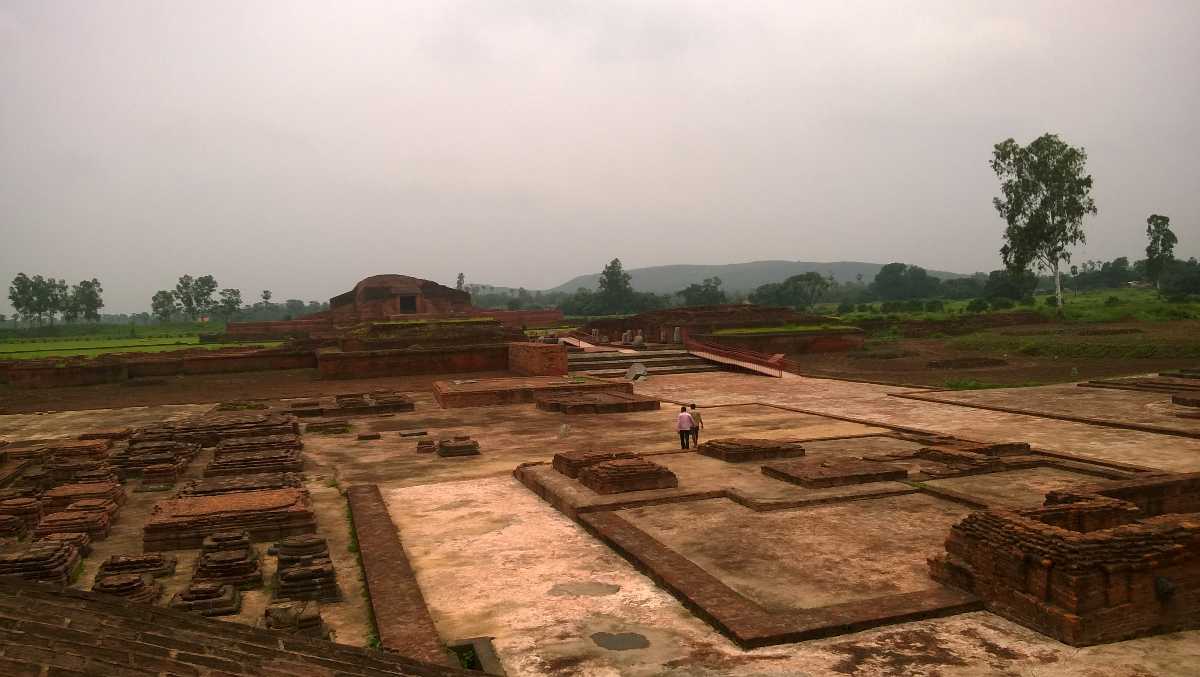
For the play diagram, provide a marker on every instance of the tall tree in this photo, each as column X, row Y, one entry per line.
column 20, row 295
column 1046, row 193
column 462, row 281
column 185, row 296
column 266, row 297
column 616, row 287
column 1161, row 248
column 230, row 303
column 164, row 305
column 86, row 299
column 202, row 294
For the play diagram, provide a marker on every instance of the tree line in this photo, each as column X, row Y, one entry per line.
column 36, row 299
column 198, row 297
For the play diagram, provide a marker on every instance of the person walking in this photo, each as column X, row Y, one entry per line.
column 697, row 424
column 684, row 424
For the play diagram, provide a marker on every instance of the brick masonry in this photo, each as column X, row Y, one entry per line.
column 401, row 617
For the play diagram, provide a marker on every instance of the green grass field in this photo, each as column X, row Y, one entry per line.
column 1142, row 305
column 113, row 339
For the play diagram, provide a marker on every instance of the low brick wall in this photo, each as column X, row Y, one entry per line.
column 44, row 374
column 537, row 359
column 449, row 360
column 791, row 342
column 401, row 617
column 41, row 375
column 223, row 364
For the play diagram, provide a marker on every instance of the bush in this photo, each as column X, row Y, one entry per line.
column 891, row 306
column 914, row 306
column 977, row 306
column 934, row 306
column 866, row 308
column 1052, row 302
column 1027, row 301
column 1112, row 301
column 844, row 308
column 1001, row 303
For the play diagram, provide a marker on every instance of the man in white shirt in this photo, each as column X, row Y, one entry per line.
column 684, row 424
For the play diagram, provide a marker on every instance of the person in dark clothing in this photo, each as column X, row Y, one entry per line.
column 697, row 424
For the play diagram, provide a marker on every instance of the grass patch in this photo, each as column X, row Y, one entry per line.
column 10, row 351
column 1118, row 346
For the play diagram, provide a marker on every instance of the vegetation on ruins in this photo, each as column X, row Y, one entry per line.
column 37, row 299
column 707, row 293
column 1161, row 248
column 798, row 291
column 1046, row 194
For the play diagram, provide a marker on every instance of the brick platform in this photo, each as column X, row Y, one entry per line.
column 453, row 394
column 816, row 473
column 740, row 449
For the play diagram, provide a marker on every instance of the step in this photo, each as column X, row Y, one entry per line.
column 654, row 362
column 655, row 371
column 643, row 355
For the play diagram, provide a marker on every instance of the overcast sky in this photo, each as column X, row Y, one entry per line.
column 301, row 146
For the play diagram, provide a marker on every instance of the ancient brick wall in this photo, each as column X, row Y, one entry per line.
column 222, row 364
column 791, row 343
column 275, row 329
column 56, row 375
column 537, row 359
column 1084, row 570
column 448, row 360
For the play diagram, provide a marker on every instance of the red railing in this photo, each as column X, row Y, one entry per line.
column 770, row 365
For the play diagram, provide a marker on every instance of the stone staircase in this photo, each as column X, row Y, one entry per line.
column 615, row 364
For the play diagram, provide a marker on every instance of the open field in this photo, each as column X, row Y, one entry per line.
column 1143, row 305
column 100, row 345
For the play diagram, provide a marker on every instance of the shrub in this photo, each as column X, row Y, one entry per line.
column 914, row 306
column 1052, row 302
column 1001, row 303
column 866, row 308
column 1112, row 301
column 1028, row 301
column 977, row 306
column 891, row 306
column 934, row 306
column 844, row 308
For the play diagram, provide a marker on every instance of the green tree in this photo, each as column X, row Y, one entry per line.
column 86, row 299
column 164, row 305
column 20, row 295
column 202, row 294
column 707, row 293
column 1161, row 249
column 616, row 288
column 294, row 308
column 230, row 303
column 797, row 291
column 1046, row 193
column 185, row 296
column 462, row 281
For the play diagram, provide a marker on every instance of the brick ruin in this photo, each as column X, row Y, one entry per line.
column 626, row 474
column 459, row 445
column 817, row 473
column 1093, row 565
column 597, row 403
column 266, row 514
column 571, row 463
column 741, row 449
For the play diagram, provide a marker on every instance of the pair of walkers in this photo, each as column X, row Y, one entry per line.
column 689, row 423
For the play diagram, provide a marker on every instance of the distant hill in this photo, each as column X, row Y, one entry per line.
column 737, row 276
